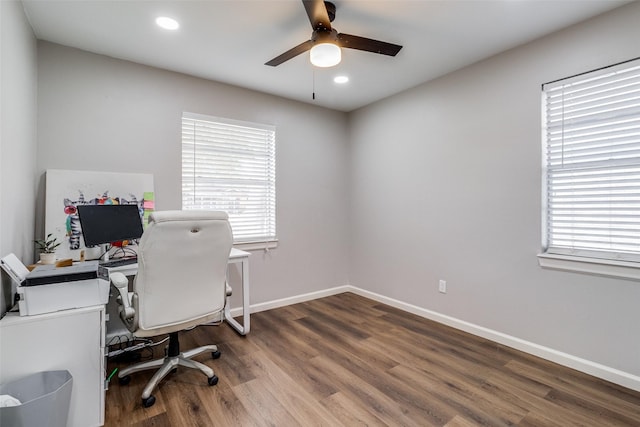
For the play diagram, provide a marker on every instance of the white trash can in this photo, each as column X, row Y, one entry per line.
column 44, row 400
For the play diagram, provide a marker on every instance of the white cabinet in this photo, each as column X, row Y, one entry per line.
column 68, row 339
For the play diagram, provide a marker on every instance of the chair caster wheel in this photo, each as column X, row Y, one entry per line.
column 149, row 401
column 216, row 354
column 213, row 380
column 124, row 380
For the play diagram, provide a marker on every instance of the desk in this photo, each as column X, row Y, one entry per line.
column 236, row 256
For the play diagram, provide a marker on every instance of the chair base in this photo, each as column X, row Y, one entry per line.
column 168, row 364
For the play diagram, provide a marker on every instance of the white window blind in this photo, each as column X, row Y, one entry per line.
column 592, row 164
column 229, row 165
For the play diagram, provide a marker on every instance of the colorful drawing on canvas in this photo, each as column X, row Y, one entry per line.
column 67, row 189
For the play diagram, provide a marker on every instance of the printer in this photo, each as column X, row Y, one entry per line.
column 48, row 288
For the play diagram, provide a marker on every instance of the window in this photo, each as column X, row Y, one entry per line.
column 592, row 165
column 229, row 165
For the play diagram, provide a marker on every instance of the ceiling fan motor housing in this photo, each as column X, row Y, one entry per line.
column 331, row 10
column 325, row 36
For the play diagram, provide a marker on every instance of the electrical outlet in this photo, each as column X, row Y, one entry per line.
column 442, row 286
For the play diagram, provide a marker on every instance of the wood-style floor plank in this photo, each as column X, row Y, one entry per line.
column 349, row 361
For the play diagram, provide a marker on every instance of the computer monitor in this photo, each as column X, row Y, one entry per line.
column 109, row 223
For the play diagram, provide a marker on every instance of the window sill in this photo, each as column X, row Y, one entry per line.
column 618, row 269
column 256, row 246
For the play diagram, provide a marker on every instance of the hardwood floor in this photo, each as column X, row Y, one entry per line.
column 345, row 360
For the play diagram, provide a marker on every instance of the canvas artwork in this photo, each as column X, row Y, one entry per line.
column 67, row 189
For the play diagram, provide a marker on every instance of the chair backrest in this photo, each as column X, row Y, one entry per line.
column 182, row 264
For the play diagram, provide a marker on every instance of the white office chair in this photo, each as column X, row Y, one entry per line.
column 181, row 283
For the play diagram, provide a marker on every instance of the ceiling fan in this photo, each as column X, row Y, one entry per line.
column 325, row 42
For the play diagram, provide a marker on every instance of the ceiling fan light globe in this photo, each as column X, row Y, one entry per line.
column 325, row 55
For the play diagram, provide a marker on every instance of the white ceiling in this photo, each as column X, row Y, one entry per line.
column 230, row 40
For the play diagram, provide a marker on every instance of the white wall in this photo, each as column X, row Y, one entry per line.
column 99, row 113
column 17, row 138
column 446, row 184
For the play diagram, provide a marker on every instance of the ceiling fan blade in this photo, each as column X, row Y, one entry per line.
column 370, row 45
column 291, row 53
column 317, row 13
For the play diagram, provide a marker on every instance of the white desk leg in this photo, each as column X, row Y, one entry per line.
column 246, row 326
column 246, row 308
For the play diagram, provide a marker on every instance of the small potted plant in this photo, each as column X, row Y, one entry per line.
column 47, row 247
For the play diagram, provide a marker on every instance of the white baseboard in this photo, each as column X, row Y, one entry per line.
column 255, row 308
column 598, row 370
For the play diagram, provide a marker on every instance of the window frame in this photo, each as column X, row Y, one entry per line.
column 620, row 264
column 254, row 173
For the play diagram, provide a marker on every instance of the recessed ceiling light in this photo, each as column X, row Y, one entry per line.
column 167, row 23
column 341, row 79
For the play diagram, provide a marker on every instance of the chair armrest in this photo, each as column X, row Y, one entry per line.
column 121, row 283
